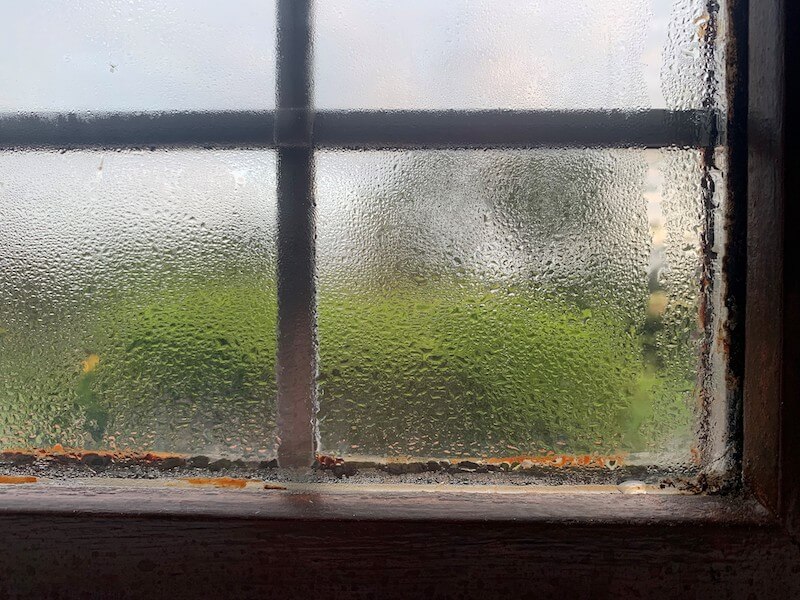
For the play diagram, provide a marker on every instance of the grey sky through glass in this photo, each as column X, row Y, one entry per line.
column 476, row 54
column 114, row 55
column 111, row 55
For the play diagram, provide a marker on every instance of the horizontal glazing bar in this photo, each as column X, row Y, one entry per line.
column 366, row 129
column 137, row 130
column 498, row 129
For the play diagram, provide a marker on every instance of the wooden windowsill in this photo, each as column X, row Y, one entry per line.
column 596, row 505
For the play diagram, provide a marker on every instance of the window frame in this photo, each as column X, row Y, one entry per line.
column 362, row 542
column 296, row 131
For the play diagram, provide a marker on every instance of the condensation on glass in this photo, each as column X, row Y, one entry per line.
column 116, row 55
column 138, row 301
column 506, row 303
column 471, row 303
column 485, row 54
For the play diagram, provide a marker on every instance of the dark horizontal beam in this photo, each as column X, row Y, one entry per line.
column 42, row 130
column 513, row 129
column 364, row 129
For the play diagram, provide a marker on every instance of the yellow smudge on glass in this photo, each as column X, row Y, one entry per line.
column 90, row 363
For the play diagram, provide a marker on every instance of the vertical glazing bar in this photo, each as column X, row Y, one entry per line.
column 296, row 361
column 713, row 448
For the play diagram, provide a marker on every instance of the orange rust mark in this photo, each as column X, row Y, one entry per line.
column 329, row 461
column 548, row 459
column 562, row 460
column 18, row 479
column 157, row 456
column 222, row 482
column 274, row 486
column 59, row 452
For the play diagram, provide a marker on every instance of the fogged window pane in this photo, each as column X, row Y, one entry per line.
column 508, row 303
column 137, row 296
column 547, row 54
column 115, row 55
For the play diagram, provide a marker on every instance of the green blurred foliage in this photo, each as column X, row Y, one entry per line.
column 426, row 370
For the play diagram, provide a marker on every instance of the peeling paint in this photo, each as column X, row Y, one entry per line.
column 220, row 482
column 13, row 479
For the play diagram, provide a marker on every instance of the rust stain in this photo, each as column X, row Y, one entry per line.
column 59, row 453
column 563, row 460
column 274, row 486
column 329, row 462
column 221, row 482
column 18, row 479
column 551, row 459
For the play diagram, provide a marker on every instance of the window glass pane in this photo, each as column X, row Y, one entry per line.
column 115, row 55
column 508, row 303
column 138, row 301
column 544, row 54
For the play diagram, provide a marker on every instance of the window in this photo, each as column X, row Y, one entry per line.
column 502, row 250
column 116, row 537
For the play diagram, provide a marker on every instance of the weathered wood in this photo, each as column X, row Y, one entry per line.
column 765, row 244
column 383, row 503
column 142, row 541
column 117, row 557
column 734, row 217
column 790, row 451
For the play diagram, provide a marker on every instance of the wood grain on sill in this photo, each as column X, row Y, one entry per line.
column 590, row 505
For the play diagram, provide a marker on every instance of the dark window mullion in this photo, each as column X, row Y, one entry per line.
column 420, row 129
column 296, row 360
column 296, row 126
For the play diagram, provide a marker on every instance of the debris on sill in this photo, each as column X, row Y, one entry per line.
column 274, row 486
column 99, row 459
column 341, row 468
column 632, row 486
column 551, row 469
column 92, row 458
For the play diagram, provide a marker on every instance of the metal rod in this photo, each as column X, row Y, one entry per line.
column 140, row 130
column 297, row 351
column 301, row 127
column 498, row 129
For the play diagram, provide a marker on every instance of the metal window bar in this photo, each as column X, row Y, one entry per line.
column 297, row 352
column 296, row 130
column 303, row 127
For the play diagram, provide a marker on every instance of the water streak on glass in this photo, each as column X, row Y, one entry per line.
column 137, row 301
column 501, row 303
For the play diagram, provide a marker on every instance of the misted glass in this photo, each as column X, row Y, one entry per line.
column 509, row 303
column 138, row 301
column 483, row 54
column 154, row 55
